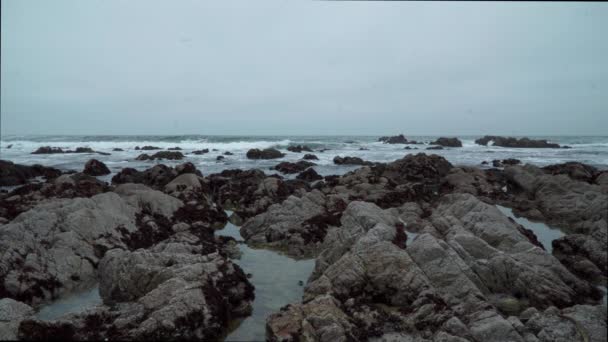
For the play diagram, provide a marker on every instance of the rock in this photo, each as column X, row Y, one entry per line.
column 297, row 224
column 12, row 313
column 578, row 323
column 268, row 153
column 289, row 167
column 514, row 142
column 363, row 149
column 54, row 248
column 171, row 155
column 310, row 157
column 187, row 167
column 367, row 283
column 117, row 149
column 82, row 150
column 299, row 148
column 435, row 148
column 251, row 192
column 447, row 142
column 199, row 152
column 15, row 174
column 574, row 170
column 501, row 163
column 309, row 175
column 398, row 139
column 158, row 294
column 147, row 148
column 176, row 148
column 350, row 161
column 584, row 256
column 228, row 153
column 9, row 146
column 48, row 150
column 94, row 167
column 219, row 158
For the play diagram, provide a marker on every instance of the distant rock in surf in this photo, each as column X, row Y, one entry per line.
column 515, row 143
column 351, row 161
column 268, row 153
column 447, row 142
column 310, row 157
column 171, row 155
column 299, row 148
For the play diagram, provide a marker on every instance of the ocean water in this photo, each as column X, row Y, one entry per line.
column 586, row 149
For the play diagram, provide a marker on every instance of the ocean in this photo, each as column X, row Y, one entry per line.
column 591, row 150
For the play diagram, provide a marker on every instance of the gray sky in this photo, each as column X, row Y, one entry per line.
column 303, row 67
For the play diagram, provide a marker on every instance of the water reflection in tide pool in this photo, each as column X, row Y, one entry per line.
column 278, row 281
column 74, row 303
column 544, row 233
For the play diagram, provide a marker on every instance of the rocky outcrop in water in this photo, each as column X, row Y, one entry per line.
column 309, row 175
column 268, row 153
column 94, row 167
column 15, row 174
column 515, row 142
column 199, row 152
column 157, row 176
column 447, row 142
column 350, row 161
column 299, row 148
column 289, row 167
column 147, row 148
column 310, row 157
column 397, row 139
column 170, row 155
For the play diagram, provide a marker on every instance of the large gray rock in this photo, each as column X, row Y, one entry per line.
column 12, row 313
column 55, row 247
column 455, row 280
column 159, row 294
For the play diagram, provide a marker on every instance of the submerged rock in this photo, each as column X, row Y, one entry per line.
column 199, row 152
column 310, row 157
column 147, row 148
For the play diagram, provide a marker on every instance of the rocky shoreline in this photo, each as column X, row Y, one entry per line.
column 410, row 250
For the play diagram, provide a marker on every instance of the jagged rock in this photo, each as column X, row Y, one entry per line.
column 583, row 256
column 157, row 295
column 289, row 167
column 268, row 153
column 251, row 192
column 15, row 174
column 447, row 142
column 509, row 161
column 157, row 176
column 309, row 175
column 296, row 224
column 350, row 161
column 575, row 170
column 176, row 148
column 514, row 142
column 54, row 248
column 94, row 167
column 435, row 148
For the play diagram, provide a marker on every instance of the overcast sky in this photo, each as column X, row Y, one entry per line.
column 303, row 67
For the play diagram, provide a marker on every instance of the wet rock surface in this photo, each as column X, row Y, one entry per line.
column 350, row 161
column 15, row 174
column 170, row 155
column 289, row 167
column 299, row 148
column 412, row 250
